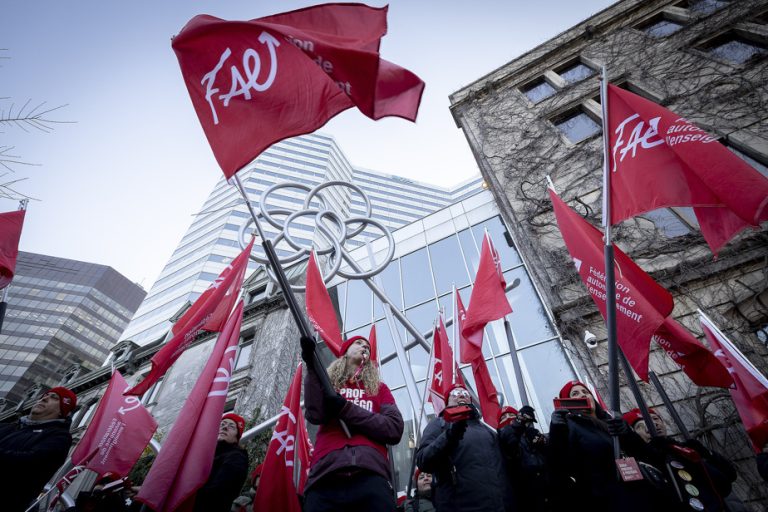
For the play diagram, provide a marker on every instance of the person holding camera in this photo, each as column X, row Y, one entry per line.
column 527, row 451
column 463, row 456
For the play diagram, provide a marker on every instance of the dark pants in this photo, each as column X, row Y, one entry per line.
column 357, row 493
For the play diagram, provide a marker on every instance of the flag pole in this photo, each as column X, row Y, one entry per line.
column 670, row 407
column 290, row 299
column 516, row 363
column 456, row 357
column 610, row 279
column 639, row 399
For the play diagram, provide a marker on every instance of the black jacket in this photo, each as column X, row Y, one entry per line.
column 230, row 468
column 469, row 476
column 527, row 451
column 30, row 453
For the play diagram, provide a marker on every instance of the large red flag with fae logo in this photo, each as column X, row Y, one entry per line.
column 442, row 379
column 701, row 365
column 10, row 233
column 277, row 490
column 641, row 303
column 184, row 463
column 208, row 313
column 750, row 387
column 120, row 430
column 488, row 301
column 320, row 309
column 659, row 159
column 254, row 83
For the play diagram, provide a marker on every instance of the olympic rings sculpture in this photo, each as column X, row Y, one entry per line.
column 334, row 230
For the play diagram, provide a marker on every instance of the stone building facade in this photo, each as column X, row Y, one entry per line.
column 539, row 116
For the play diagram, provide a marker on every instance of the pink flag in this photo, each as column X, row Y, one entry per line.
column 641, row 304
column 276, row 488
column 254, row 83
column 118, row 432
column 204, row 315
column 184, row 463
column 659, row 159
column 10, row 233
column 468, row 351
column 750, row 387
column 701, row 365
column 488, row 301
column 442, row 379
column 320, row 309
column 372, row 343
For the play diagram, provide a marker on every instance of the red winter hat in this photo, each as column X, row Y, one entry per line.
column 239, row 421
column 635, row 415
column 67, row 399
column 454, row 386
column 565, row 392
column 345, row 346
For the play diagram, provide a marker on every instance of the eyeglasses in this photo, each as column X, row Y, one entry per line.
column 459, row 392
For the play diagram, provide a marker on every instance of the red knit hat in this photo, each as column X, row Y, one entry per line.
column 635, row 415
column 239, row 422
column 348, row 343
column 565, row 392
column 67, row 399
column 454, row 386
column 507, row 409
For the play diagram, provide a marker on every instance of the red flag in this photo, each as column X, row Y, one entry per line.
column 659, row 159
column 750, row 388
column 372, row 343
column 254, row 83
column 442, row 380
column 320, row 309
column 641, row 304
column 468, row 352
column 10, row 233
column 184, row 463
column 488, row 301
column 118, row 433
column 204, row 315
column 276, row 488
column 701, row 365
column 305, row 453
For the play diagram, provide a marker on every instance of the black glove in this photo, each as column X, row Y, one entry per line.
column 308, row 351
column 456, row 431
column 332, row 404
column 617, row 427
column 559, row 417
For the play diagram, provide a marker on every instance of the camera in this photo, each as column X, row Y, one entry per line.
column 590, row 339
column 457, row 413
column 576, row 405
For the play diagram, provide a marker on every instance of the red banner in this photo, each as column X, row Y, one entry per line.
column 698, row 363
column 320, row 309
column 10, row 233
column 204, row 315
column 118, row 432
column 488, row 301
column 254, row 83
column 277, row 490
column 641, row 304
column 750, row 387
column 659, row 159
column 468, row 351
column 184, row 463
column 442, row 380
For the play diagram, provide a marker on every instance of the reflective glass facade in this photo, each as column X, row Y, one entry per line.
column 60, row 312
column 211, row 240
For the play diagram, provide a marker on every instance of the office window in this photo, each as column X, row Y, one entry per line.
column 538, row 91
column 668, row 222
column 575, row 72
column 734, row 49
column 243, row 356
column 660, row 27
column 705, row 6
column 577, row 126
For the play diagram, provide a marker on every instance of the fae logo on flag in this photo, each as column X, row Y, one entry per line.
column 220, row 383
column 645, row 139
column 287, row 441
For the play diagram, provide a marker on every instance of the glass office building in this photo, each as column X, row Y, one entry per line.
column 61, row 313
column 211, row 240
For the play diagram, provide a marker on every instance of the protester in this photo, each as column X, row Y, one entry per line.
column 527, row 451
column 230, row 468
column 582, row 459
column 465, row 460
column 702, row 477
column 422, row 501
column 350, row 473
column 34, row 448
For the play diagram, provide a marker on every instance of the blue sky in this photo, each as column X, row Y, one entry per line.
column 118, row 186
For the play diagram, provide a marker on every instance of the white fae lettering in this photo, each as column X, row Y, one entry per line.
column 636, row 138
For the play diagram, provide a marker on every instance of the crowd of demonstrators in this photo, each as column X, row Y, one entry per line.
column 701, row 478
column 464, row 459
column 34, row 448
column 229, row 470
column 422, row 499
column 351, row 473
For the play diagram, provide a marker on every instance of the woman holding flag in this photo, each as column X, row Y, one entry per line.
column 351, row 472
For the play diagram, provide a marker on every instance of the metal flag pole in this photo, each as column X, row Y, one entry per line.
column 301, row 322
column 610, row 279
column 516, row 363
column 641, row 404
column 670, row 407
column 456, row 357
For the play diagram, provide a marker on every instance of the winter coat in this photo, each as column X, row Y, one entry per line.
column 527, row 451
column 30, row 453
column 469, row 476
column 762, row 465
column 584, row 469
column 229, row 471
